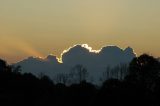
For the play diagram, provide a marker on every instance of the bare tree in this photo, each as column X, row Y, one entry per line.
column 62, row 78
column 117, row 72
column 123, row 71
column 78, row 73
column 106, row 74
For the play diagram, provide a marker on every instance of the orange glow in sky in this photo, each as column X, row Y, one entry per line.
column 40, row 27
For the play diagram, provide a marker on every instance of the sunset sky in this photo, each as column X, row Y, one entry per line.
column 41, row 27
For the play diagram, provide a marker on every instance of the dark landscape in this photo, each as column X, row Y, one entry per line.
column 140, row 86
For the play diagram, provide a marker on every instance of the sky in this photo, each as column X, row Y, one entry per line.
column 42, row 27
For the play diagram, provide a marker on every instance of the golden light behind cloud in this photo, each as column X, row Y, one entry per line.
column 39, row 27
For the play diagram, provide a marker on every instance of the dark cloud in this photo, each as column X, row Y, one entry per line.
column 95, row 61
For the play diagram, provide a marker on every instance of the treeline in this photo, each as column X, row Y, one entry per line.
column 79, row 73
column 138, row 84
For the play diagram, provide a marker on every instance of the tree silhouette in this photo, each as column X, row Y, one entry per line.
column 79, row 73
column 62, row 78
column 106, row 74
column 141, row 86
column 144, row 70
column 4, row 66
column 117, row 72
column 16, row 69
